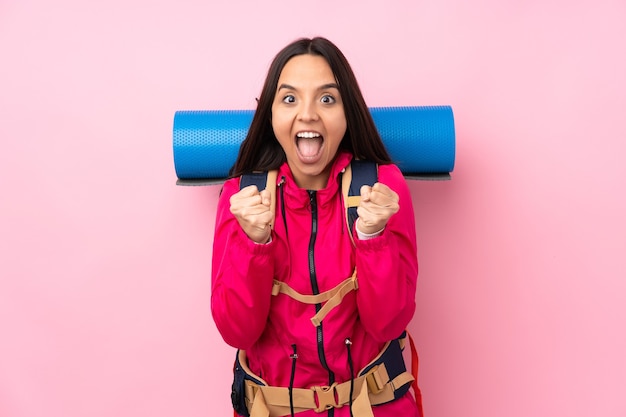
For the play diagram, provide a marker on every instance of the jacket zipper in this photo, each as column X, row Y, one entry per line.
column 315, row 288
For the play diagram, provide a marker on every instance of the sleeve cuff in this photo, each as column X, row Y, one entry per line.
column 366, row 236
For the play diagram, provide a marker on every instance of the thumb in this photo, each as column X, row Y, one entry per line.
column 365, row 192
column 266, row 197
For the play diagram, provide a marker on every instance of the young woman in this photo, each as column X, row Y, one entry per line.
column 276, row 269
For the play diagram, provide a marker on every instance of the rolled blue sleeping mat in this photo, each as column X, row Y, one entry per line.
column 420, row 140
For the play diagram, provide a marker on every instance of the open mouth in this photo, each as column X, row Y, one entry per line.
column 309, row 144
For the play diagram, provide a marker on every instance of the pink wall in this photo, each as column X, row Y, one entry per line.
column 105, row 263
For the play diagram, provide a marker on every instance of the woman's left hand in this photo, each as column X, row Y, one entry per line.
column 378, row 204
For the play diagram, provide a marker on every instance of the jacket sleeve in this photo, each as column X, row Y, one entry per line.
column 241, row 277
column 387, row 267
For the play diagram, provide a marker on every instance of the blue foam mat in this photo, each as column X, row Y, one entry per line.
column 420, row 140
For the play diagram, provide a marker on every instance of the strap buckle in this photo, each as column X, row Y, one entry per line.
column 377, row 378
column 326, row 397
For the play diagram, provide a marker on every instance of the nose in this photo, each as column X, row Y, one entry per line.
column 308, row 112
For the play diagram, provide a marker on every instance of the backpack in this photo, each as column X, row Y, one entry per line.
column 357, row 174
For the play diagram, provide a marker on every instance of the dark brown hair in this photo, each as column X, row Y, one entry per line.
column 260, row 151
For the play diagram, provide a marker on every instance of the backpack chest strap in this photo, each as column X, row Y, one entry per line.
column 331, row 298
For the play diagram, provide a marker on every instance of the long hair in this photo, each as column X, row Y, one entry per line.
column 261, row 151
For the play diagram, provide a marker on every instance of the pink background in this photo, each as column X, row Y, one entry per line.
column 105, row 262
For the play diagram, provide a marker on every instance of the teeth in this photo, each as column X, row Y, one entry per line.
column 308, row 135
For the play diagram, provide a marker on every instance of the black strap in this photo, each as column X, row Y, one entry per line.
column 254, row 178
column 363, row 173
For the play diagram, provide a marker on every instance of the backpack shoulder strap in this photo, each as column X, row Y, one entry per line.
column 357, row 174
column 258, row 178
column 263, row 180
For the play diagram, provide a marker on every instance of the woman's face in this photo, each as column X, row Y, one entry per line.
column 308, row 119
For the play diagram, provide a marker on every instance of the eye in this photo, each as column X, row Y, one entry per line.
column 289, row 99
column 328, row 99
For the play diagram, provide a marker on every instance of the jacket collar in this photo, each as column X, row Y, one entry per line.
column 341, row 161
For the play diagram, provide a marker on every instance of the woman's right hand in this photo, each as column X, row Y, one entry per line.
column 251, row 208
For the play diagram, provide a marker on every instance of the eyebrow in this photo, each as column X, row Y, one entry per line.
column 321, row 87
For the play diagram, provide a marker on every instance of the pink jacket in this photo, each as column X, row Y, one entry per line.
column 313, row 254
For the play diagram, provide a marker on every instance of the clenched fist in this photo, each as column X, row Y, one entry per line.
column 378, row 204
column 252, row 210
